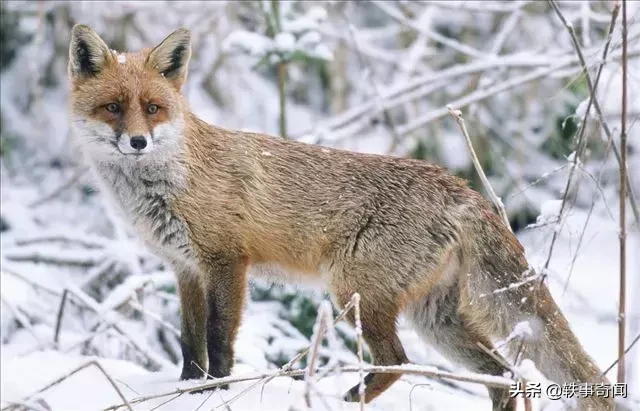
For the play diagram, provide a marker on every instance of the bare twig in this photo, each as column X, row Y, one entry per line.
column 457, row 115
column 46, row 257
column 586, row 223
column 59, row 190
column 162, row 404
column 63, row 302
column 21, row 318
column 623, row 196
column 137, row 306
column 27, row 280
column 23, row 406
column 322, row 323
column 61, row 238
column 282, row 97
column 75, row 371
column 391, row 11
column 364, row 63
column 358, row 322
column 635, row 340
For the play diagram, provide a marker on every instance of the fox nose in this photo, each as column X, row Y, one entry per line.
column 138, row 142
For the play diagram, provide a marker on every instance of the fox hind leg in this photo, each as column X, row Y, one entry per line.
column 380, row 334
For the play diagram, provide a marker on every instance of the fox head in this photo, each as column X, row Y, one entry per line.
column 127, row 106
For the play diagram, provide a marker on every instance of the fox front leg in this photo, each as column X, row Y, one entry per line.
column 225, row 291
column 193, row 324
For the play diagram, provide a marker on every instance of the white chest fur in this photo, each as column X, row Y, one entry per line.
column 143, row 193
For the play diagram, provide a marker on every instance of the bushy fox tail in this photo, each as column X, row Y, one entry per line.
column 556, row 351
column 504, row 292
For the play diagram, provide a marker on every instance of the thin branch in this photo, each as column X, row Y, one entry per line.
column 388, row 120
column 322, row 323
column 358, row 323
column 59, row 190
column 581, row 144
column 139, row 307
column 388, row 9
column 588, row 218
column 622, row 297
column 23, row 406
column 21, row 318
column 63, row 302
column 295, row 359
column 32, row 283
column 49, row 257
column 61, row 238
column 635, row 340
column 457, row 115
column 75, row 371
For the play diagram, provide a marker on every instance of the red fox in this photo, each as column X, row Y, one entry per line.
column 217, row 203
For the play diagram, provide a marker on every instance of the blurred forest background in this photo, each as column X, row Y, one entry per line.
column 370, row 76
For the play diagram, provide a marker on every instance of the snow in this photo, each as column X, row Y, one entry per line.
column 280, row 394
column 321, row 51
column 310, row 38
column 252, row 43
column 581, row 110
column 122, row 59
column 549, row 211
column 521, row 330
column 285, row 42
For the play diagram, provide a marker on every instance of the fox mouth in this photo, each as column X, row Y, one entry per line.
column 135, row 155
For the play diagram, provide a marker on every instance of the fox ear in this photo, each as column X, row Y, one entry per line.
column 88, row 54
column 171, row 57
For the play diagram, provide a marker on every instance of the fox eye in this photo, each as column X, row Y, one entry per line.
column 113, row 108
column 152, row 109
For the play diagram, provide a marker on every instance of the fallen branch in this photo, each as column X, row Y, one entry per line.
column 95, row 363
column 60, row 238
column 38, row 256
column 409, row 369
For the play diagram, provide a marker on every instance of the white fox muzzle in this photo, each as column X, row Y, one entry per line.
column 138, row 144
